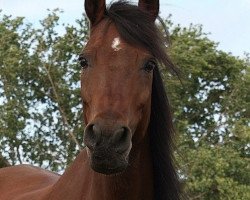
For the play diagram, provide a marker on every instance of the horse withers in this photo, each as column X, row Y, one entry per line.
column 128, row 134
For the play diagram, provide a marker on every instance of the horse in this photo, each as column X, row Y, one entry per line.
column 129, row 132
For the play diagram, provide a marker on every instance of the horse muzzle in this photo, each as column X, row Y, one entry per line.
column 108, row 147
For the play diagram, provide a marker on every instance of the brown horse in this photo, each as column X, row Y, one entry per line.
column 129, row 130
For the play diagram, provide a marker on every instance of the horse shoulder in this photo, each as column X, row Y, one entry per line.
column 21, row 180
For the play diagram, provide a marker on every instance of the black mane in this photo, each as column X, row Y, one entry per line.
column 136, row 27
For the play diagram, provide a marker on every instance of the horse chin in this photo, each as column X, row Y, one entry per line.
column 107, row 170
column 108, row 164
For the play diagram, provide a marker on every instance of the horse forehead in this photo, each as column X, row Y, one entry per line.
column 110, row 41
column 106, row 41
column 106, row 36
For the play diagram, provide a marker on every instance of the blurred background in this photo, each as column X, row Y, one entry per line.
column 40, row 106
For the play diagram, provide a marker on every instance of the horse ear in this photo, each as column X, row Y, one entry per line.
column 150, row 6
column 95, row 10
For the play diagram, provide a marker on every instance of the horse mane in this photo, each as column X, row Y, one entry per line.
column 136, row 27
column 167, row 185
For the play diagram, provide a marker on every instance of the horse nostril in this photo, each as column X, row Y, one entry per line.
column 91, row 135
column 120, row 134
column 121, row 138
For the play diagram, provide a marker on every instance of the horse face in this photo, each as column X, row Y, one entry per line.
column 116, row 83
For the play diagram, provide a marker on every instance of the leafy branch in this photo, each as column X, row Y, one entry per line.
column 61, row 110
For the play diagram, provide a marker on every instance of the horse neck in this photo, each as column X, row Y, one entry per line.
column 80, row 182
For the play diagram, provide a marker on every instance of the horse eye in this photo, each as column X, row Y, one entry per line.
column 83, row 62
column 149, row 66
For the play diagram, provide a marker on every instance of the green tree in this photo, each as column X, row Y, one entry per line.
column 212, row 107
column 40, row 106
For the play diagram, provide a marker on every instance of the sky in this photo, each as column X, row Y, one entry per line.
column 228, row 21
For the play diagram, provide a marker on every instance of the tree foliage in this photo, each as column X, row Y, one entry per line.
column 212, row 116
column 40, row 106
